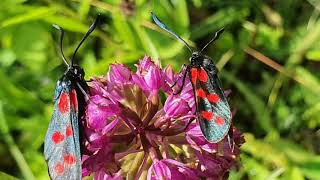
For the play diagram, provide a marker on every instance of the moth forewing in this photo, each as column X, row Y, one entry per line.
column 62, row 142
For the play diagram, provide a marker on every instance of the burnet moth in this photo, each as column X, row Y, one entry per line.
column 212, row 108
column 62, row 149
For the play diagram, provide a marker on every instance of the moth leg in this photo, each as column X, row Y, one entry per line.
column 230, row 139
column 191, row 120
column 183, row 81
column 231, row 143
column 82, row 133
column 86, row 96
column 178, row 77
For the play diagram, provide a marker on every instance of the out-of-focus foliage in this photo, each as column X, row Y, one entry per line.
column 278, row 109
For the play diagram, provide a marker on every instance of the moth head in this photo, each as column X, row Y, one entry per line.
column 194, row 56
column 76, row 72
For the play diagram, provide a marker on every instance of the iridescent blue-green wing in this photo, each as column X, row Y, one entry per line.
column 212, row 107
column 61, row 146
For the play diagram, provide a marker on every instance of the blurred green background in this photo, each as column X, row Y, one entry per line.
column 276, row 99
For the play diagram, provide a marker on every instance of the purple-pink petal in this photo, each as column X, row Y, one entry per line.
column 102, row 175
column 139, row 111
column 197, row 141
column 145, row 64
column 212, row 166
column 139, row 80
column 110, row 126
column 153, row 78
column 119, row 73
column 176, row 106
column 101, row 160
column 170, row 169
column 168, row 79
column 98, row 111
column 161, row 171
column 148, row 76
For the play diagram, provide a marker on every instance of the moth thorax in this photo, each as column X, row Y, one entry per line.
column 76, row 72
column 197, row 59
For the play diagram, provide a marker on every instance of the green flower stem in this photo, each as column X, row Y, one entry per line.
column 13, row 148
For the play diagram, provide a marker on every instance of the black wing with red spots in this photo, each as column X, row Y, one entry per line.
column 62, row 147
column 213, row 110
column 212, row 107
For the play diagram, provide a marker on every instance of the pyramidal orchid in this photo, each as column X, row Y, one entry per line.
column 135, row 127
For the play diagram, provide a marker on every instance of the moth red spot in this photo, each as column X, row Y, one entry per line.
column 200, row 93
column 57, row 137
column 74, row 100
column 59, row 168
column 63, row 104
column 214, row 98
column 69, row 159
column 206, row 115
column 69, row 131
column 219, row 120
column 203, row 76
column 194, row 75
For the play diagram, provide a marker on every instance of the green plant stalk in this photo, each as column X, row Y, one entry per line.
column 102, row 5
column 135, row 165
column 147, row 43
column 13, row 148
column 225, row 58
column 273, row 64
column 255, row 102
column 35, row 14
column 294, row 60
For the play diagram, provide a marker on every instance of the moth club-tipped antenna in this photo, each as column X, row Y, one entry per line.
column 164, row 27
column 216, row 36
column 92, row 27
column 61, row 42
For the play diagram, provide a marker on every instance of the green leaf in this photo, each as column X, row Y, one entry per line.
column 308, row 78
column 34, row 14
column 311, row 169
column 13, row 148
column 124, row 31
column 255, row 102
column 254, row 168
column 307, row 162
column 68, row 23
column 181, row 13
column 84, row 8
column 7, row 57
column 222, row 18
column 315, row 3
column 269, row 36
column 16, row 97
column 293, row 173
column 31, row 56
column 197, row 3
column 146, row 42
column 313, row 55
column 264, row 151
column 5, row 176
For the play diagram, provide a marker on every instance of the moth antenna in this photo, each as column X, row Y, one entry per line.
column 164, row 27
column 92, row 27
column 61, row 42
column 216, row 36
